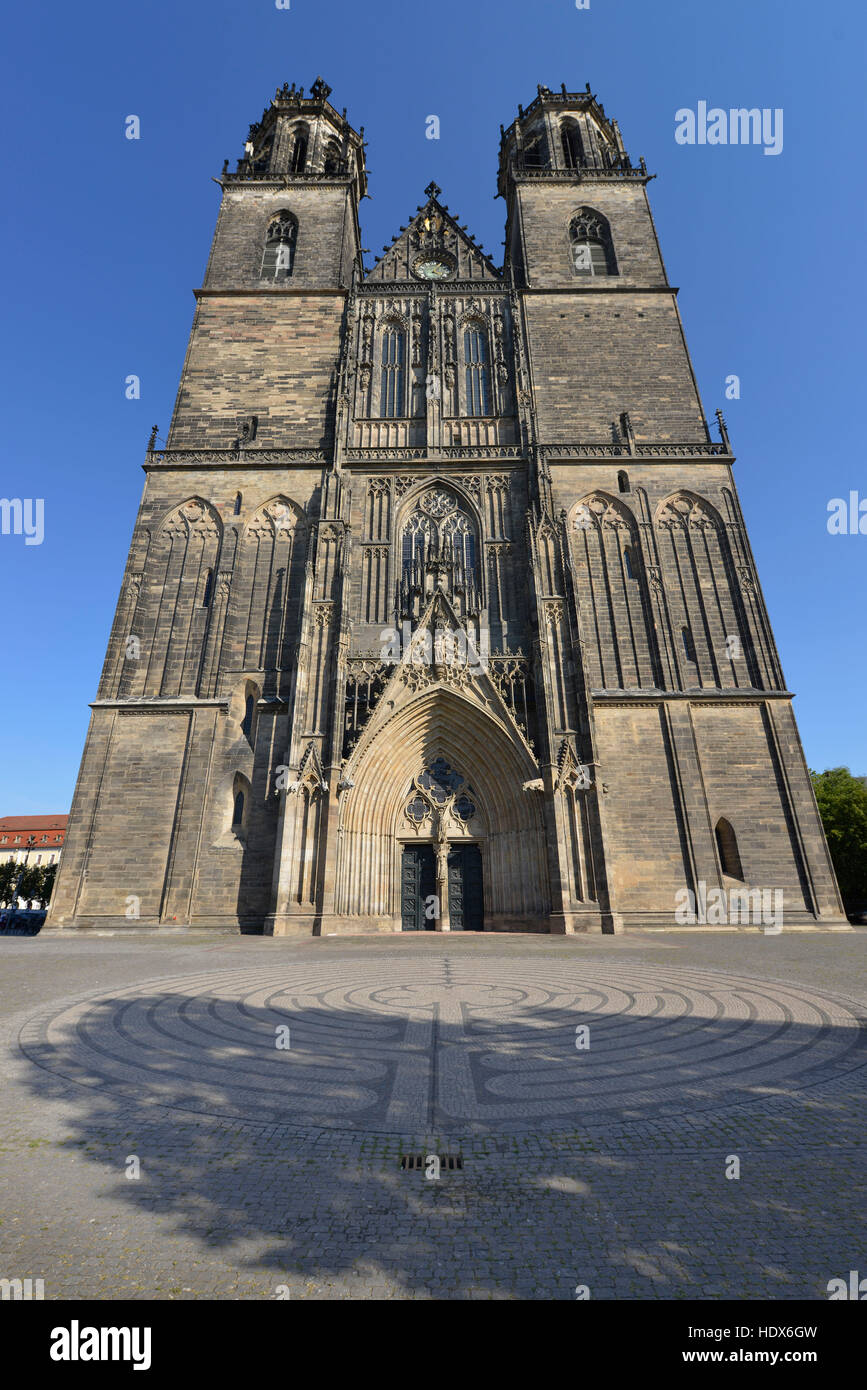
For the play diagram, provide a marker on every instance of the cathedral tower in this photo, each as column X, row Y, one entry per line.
column 440, row 612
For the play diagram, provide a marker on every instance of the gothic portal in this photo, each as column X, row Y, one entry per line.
column 440, row 612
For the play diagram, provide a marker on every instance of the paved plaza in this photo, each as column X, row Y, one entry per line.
column 599, row 1092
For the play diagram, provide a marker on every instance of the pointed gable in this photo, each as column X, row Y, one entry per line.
column 433, row 239
column 442, row 656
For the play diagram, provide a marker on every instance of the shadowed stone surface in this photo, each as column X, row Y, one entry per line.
column 261, row 1169
column 451, row 1044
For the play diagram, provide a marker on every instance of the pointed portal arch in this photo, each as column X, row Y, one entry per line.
column 443, row 727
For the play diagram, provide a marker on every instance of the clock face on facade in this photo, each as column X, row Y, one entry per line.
column 433, row 268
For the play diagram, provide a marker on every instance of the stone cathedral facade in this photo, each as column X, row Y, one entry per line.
column 440, row 611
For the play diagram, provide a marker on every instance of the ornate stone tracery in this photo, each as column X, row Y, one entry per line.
column 440, row 801
column 438, row 551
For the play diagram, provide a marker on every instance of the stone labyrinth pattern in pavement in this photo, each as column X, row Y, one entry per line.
column 440, row 1048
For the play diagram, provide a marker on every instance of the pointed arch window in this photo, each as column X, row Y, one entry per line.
column 628, row 562
column 298, row 161
column 592, row 248
column 727, row 845
column 444, row 538
column 247, row 721
column 476, row 365
column 239, row 806
column 208, row 590
column 688, row 644
column 623, row 481
column 536, row 151
column 258, row 157
column 458, row 545
column 280, row 239
column 393, row 383
column 237, row 507
column 573, row 152
column 416, row 543
column 332, row 158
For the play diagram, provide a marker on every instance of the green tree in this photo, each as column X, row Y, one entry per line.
column 842, row 801
column 37, row 882
column 49, row 874
column 30, row 888
column 8, row 875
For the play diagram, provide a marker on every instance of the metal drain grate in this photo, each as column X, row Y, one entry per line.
column 449, row 1163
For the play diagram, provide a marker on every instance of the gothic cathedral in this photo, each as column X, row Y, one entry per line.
column 440, row 611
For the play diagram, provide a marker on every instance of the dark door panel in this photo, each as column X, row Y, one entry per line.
column 466, row 894
column 417, row 884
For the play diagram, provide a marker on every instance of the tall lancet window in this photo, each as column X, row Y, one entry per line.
column 438, row 550
column 332, row 157
column 298, row 161
column 392, row 391
column 572, row 152
column 459, row 546
column 280, row 239
column 536, row 150
column 476, row 364
column 416, row 541
column 592, row 249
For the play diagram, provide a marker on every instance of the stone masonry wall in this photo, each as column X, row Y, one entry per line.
column 272, row 354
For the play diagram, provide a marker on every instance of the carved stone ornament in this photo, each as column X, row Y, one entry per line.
column 437, row 502
column 572, row 774
column 192, row 516
column 281, row 515
column 310, row 781
column 554, row 612
column 421, row 677
column 683, row 511
column 472, row 485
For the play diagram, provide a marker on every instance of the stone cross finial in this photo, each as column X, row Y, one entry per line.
column 433, row 190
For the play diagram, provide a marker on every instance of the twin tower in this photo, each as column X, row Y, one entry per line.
column 440, row 611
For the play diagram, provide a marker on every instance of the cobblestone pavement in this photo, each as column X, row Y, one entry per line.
column 268, row 1089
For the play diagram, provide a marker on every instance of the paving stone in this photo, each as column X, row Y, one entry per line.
column 614, row 1177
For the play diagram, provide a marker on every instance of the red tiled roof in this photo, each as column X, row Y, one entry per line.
column 32, row 823
column 46, row 831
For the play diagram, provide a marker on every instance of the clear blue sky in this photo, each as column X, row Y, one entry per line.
column 104, row 238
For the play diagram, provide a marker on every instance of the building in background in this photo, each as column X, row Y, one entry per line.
column 28, row 844
column 32, row 840
column 440, row 610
